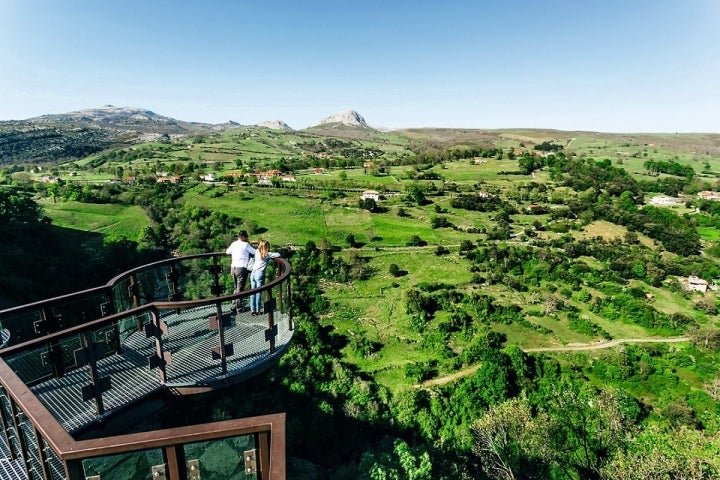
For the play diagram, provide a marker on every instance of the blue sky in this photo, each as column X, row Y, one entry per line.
column 611, row 66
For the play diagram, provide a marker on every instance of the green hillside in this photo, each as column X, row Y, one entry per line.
column 494, row 267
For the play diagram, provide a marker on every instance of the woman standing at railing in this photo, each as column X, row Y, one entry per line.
column 257, row 276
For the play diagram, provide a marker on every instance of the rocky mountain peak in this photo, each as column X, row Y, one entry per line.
column 275, row 125
column 349, row 118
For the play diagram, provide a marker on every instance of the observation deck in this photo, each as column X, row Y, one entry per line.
column 74, row 363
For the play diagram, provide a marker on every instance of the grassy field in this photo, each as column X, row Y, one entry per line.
column 290, row 216
column 113, row 221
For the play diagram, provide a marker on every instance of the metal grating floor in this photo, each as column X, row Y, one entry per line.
column 12, row 470
column 131, row 380
column 193, row 363
column 190, row 342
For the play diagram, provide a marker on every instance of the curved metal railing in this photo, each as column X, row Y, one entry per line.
column 164, row 324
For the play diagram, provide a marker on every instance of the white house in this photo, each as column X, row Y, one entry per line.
column 665, row 201
column 696, row 284
column 373, row 194
column 708, row 195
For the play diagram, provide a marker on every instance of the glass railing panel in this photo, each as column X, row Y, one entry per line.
column 122, row 295
column 195, row 279
column 128, row 466
column 107, row 337
column 22, row 324
column 129, row 325
column 77, row 310
column 33, row 364
column 25, row 324
column 221, row 459
column 153, row 285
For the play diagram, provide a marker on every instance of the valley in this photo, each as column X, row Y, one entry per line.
column 486, row 266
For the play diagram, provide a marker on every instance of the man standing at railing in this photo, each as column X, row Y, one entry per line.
column 240, row 251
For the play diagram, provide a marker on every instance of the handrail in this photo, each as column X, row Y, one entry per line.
column 139, row 309
column 148, row 266
column 38, row 303
column 271, row 428
column 78, row 329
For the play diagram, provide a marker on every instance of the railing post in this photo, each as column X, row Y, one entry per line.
column 134, row 290
column 216, row 270
column 263, row 443
column 221, row 336
column 5, row 424
column 269, row 308
column 174, row 459
column 281, row 298
column 159, row 349
column 172, row 277
column 217, row 290
column 95, row 381
column 22, row 444
column 50, row 325
column 42, row 453
column 106, row 309
column 286, row 295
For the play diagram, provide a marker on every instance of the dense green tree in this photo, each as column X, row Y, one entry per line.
column 394, row 459
column 18, row 206
column 416, row 194
column 682, row 453
column 588, row 426
column 510, row 441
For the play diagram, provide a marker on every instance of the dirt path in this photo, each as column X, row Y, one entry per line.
column 607, row 344
column 565, row 348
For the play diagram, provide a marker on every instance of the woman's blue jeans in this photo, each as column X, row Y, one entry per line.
column 257, row 279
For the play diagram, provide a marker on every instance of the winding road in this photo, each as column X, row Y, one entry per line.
column 564, row 348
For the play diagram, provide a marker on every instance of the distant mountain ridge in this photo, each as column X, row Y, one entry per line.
column 73, row 135
column 146, row 121
column 123, row 118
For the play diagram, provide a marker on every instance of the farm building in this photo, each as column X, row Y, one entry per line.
column 372, row 194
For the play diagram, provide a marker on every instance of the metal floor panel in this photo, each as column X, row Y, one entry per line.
column 131, row 380
column 12, row 470
column 193, row 363
column 190, row 341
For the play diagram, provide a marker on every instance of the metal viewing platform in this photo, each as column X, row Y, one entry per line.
column 73, row 362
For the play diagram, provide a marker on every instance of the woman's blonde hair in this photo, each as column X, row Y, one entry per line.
column 263, row 248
